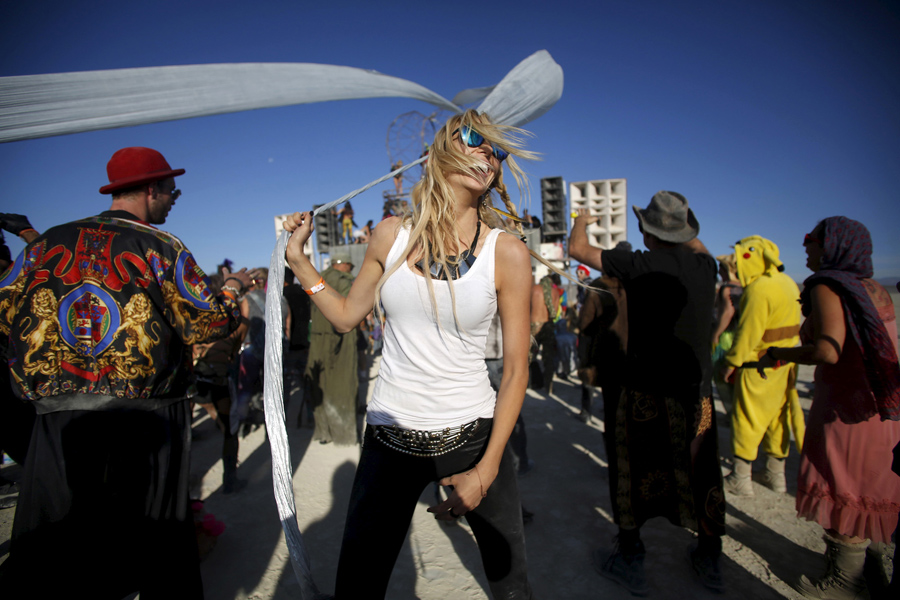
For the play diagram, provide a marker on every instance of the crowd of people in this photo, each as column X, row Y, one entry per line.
column 113, row 333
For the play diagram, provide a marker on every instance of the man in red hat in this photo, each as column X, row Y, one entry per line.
column 101, row 314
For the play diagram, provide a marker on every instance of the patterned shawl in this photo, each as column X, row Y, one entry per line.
column 846, row 262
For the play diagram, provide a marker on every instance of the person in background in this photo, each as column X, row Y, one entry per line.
column 583, row 274
column 665, row 455
column 249, row 411
column 296, row 352
column 545, row 311
column 101, row 314
column 603, row 345
column 398, row 179
column 214, row 364
column 728, row 305
column 850, row 333
column 332, row 368
column 347, row 224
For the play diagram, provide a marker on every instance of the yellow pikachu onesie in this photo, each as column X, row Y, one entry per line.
column 765, row 409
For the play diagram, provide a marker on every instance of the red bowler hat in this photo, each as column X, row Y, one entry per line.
column 130, row 167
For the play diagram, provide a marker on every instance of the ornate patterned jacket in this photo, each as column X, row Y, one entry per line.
column 101, row 312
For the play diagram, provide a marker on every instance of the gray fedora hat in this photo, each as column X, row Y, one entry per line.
column 668, row 218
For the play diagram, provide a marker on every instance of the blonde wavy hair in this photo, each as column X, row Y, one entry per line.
column 730, row 264
column 434, row 232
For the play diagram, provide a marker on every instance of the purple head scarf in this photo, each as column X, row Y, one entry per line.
column 846, row 262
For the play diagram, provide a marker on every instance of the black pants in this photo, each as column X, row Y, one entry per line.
column 387, row 486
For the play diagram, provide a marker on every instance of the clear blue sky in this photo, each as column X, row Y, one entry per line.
column 766, row 115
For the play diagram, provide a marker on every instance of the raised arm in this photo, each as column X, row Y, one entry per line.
column 579, row 247
column 344, row 313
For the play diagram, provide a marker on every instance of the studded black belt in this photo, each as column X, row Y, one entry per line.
column 424, row 443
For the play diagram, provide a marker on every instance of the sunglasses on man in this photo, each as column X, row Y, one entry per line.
column 473, row 139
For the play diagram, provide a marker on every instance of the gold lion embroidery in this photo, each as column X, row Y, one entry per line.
column 46, row 331
column 192, row 330
column 134, row 316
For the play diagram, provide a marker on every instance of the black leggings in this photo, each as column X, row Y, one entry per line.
column 387, row 486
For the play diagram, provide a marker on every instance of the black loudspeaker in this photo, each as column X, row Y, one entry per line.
column 327, row 230
column 554, row 205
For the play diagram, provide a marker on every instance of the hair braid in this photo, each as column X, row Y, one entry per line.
column 510, row 207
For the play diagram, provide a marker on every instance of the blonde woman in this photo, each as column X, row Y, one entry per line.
column 438, row 275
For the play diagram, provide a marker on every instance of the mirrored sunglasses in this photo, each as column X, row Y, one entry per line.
column 473, row 139
column 810, row 239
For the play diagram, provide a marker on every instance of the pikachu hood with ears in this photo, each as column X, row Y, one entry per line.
column 756, row 256
column 765, row 409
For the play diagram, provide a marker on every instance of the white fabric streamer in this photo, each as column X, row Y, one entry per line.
column 36, row 106
column 355, row 193
column 273, row 400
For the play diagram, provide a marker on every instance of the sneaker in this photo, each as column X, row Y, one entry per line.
column 707, row 569
column 629, row 573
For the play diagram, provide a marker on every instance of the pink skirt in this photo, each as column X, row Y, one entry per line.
column 845, row 482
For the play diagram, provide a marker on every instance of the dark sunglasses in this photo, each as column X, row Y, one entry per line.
column 473, row 139
column 175, row 192
column 810, row 239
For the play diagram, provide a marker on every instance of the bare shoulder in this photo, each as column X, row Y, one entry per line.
column 512, row 252
column 383, row 236
column 387, row 228
column 512, row 261
column 823, row 293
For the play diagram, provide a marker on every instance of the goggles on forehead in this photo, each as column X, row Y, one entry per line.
column 473, row 139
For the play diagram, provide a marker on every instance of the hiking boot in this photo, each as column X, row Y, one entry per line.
column 773, row 477
column 738, row 482
column 707, row 569
column 627, row 571
column 875, row 571
column 843, row 578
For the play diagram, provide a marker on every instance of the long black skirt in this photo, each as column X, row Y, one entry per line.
column 103, row 509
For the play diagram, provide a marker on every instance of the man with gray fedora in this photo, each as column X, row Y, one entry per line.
column 664, row 451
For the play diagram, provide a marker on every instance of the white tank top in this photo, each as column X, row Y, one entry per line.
column 433, row 376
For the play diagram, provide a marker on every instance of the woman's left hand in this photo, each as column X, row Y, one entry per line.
column 301, row 225
column 466, row 494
